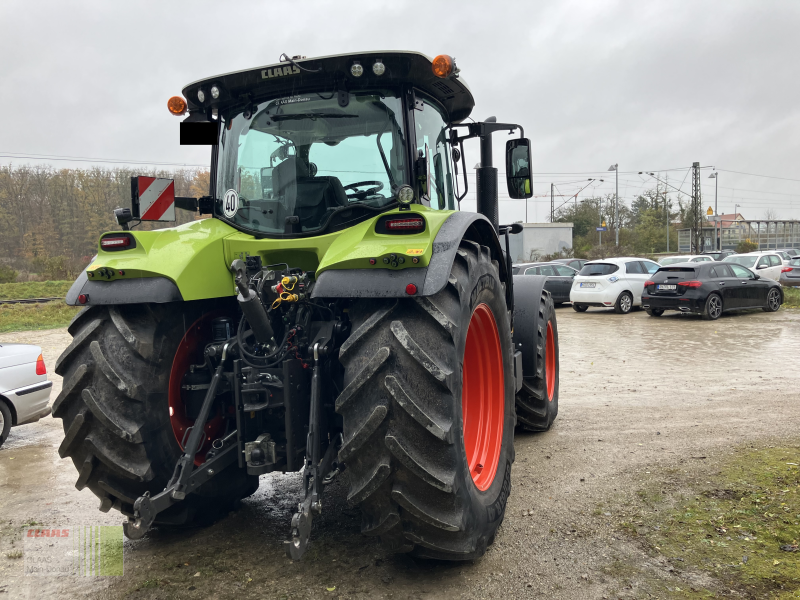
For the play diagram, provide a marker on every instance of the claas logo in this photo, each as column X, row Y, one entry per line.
column 48, row 533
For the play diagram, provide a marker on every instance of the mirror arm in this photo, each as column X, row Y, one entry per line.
column 203, row 205
column 454, row 139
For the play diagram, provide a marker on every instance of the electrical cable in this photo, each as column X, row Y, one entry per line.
column 757, row 175
column 98, row 160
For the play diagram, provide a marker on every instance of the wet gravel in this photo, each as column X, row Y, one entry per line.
column 641, row 399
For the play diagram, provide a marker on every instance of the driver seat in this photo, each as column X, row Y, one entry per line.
column 315, row 196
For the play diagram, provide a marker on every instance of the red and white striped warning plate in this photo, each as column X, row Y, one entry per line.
column 156, row 199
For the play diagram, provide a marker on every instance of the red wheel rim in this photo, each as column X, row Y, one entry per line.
column 189, row 352
column 550, row 362
column 483, row 397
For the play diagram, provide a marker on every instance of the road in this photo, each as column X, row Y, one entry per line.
column 641, row 400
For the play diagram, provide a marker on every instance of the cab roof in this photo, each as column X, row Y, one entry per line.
column 330, row 73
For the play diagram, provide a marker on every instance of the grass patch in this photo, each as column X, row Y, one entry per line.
column 14, row 554
column 791, row 297
column 27, row 317
column 745, row 528
column 34, row 289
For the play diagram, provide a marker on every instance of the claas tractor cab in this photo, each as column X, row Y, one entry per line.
column 336, row 314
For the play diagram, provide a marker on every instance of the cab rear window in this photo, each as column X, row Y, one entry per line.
column 598, row 269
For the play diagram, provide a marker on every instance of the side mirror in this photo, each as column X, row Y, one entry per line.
column 761, row 267
column 518, row 168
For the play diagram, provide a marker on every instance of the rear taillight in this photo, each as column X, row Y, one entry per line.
column 649, row 283
column 408, row 224
column 691, row 284
column 113, row 241
column 786, row 269
column 40, row 368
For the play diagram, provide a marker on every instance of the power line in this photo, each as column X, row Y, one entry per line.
column 115, row 161
column 757, row 175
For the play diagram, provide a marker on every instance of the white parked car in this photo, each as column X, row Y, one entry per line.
column 785, row 256
column 671, row 260
column 766, row 264
column 617, row 282
column 24, row 388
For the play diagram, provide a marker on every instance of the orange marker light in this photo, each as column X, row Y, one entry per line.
column 176, row 105
column 443, row 66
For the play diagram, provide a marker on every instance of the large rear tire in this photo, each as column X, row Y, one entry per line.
column 115, row 409
column 428, row 413
column 537, row 401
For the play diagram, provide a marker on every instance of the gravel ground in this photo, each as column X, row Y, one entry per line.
column 643, row 400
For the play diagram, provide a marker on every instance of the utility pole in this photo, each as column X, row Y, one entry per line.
column 697, row 211
column 601, row 223
column 717, row 228
column 666, row 208
column 615, row 168
column 552, row 204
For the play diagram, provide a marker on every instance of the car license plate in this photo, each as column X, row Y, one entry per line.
column 588, row 285
column 667, row 287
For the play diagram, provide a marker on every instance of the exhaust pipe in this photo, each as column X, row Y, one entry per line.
column 486, row 180
column 685, row 309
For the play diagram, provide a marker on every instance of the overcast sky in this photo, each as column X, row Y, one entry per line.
column 649, row 85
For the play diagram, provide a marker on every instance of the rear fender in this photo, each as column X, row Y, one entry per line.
column 166, row 265
column 384, row 283
column 527, row 295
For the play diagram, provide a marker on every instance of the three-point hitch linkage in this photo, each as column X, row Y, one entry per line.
column 254, row 389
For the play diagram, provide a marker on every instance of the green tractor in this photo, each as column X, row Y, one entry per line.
column 335, row 315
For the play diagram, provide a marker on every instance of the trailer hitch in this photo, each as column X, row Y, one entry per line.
column 314, row 471
column 185, row 479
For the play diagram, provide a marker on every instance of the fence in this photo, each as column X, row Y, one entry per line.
column 769, row 235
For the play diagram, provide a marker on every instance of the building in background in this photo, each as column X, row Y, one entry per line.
column 539, row 239
column 734, row 228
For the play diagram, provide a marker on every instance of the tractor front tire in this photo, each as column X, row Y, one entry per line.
column 428, row 411
column 116, row 415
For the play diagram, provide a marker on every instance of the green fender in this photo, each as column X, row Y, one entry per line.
column 191, row 261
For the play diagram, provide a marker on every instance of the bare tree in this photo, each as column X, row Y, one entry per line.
column 771, row 214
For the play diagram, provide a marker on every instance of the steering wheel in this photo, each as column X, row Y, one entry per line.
column 360, row 195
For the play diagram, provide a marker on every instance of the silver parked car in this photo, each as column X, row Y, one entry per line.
column 24, row 388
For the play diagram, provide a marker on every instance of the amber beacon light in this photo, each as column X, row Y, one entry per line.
column 176, row 105
column 443, row 66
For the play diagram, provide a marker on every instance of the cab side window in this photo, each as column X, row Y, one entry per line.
column 763, row 262
column 432, row 144
column 775, row 261
column 533, row 271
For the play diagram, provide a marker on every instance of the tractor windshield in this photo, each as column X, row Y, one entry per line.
column 289, row 165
